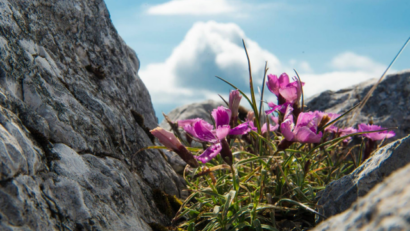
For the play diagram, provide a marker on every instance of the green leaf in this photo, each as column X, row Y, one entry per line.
column 229, row 198
column 191, row 227
column 268, row 227
column 300, row 205
column 250, row 160
column 240, row 226
column 257, row 225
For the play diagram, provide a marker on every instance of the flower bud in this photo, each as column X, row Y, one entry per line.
column 234, row 100
column 169, row 140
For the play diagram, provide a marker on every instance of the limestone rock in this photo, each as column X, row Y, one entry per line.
column 73, row 112
column 388, row 106
column 385, row 207
column 339, row 195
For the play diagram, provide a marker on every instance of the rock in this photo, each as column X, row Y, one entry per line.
column 339, row 195
column 73, row 114
column 385, row 207
column 388, row 106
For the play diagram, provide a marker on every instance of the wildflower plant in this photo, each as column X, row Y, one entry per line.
column 254, row 176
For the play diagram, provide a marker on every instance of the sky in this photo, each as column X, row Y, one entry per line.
column 183, row 44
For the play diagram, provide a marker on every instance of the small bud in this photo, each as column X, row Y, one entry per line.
column 169, row 140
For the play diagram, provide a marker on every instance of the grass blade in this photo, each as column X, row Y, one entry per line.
column 255, row 109
column 370, row 93
column 300, row 205
column 263, row 88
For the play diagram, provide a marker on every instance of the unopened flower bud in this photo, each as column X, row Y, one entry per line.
column 169, row 140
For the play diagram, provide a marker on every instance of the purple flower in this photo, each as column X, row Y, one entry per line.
column 272, row 128
column 169, row 140
column 203, row 131
column 346, row 131
column 283, row 89
column 375, row 135
column 326, row 118
column 305, row 130
column 274, row 107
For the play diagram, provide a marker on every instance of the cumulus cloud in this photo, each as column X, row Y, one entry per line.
column 212, row 49
column 208, row 49
column 349, row 69
column 193, row 7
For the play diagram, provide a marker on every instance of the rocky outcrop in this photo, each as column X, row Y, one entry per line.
column 387, row 107
column 385, row 207
column 339, row 195
column 73, row 112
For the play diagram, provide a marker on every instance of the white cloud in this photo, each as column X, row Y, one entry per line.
column 193, row 7
column 208, row 49
column 211, row 48
column 351, row 61
column 350, row 69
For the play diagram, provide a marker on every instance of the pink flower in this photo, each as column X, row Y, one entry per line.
column 274, row 107
column 203, row 131
column 346, row 131
column 375, row 135
column 272, row 128
column 285, row 91
column 169, row 140
column 305, row 130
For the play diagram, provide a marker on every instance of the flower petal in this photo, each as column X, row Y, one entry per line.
column 289, row 93
column 221, row 116
column 375, row 135
column 305, row 135
column 182, row 123
column 210, row 153
column 273, row 84
column 203, row 132
column 272, row 128
column 241, row 129
column 222, row 131
column 286, row 129
column 283, row 80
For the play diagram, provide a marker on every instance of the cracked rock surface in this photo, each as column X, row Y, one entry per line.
column 385, row 207
column 73, row 112
column 340, row 194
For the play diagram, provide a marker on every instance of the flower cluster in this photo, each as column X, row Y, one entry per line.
column 311, row 136
column 307, row 129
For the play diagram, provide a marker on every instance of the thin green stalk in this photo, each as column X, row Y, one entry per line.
column 255, row 109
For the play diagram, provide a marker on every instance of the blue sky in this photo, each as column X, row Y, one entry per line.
column 183, row 44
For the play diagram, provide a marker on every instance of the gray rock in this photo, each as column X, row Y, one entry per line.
column 73, row 113
column 389, row 105
column 385, row 207
column 339, row 195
